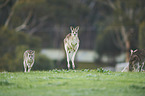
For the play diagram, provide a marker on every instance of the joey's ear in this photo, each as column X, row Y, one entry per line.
column 131, row 51
column 71, row 28
column 135, row 50
column 77, row 28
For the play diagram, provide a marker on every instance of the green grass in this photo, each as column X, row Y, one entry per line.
column 72, row 83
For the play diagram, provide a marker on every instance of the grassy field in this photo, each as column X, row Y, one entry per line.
column 72, row 83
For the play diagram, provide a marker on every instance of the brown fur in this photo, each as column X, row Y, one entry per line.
column 137, row 59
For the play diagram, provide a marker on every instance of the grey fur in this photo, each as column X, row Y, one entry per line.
column 29, row 56
column 71, row 45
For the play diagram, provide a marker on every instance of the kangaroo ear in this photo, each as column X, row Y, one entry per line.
column 77, row 28
column 71, row 28
column 131, row 51
column 135, row 50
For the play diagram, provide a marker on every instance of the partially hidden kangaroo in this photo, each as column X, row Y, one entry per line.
column 71, row 45
column 136, row 61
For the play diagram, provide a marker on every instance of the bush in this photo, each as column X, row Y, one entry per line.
column 43, row 63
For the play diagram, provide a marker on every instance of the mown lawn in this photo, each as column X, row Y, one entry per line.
column 72, row 83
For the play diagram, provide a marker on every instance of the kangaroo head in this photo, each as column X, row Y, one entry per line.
column 74, row 31
column 31, row 54
column 131, row 51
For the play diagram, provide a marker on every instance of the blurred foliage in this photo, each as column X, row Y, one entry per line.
column 43, row 63
column 142, row 35
column 52, row 11
column 50, row 19
column 45, row 23
column 5, row 9
column 105, row 44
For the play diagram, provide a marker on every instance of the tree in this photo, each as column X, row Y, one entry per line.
column 142, row 35
column 125, row 18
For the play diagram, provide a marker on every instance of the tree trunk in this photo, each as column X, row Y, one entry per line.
column 127, row 43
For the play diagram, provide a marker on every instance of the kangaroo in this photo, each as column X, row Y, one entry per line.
column 136, row 62
column 71, row 45
column 28, row 59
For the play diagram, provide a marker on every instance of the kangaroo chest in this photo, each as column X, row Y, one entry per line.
column 29, row 60
column 73, row 41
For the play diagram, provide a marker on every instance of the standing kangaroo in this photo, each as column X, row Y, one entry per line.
column 71, row 45
column 28, row 59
